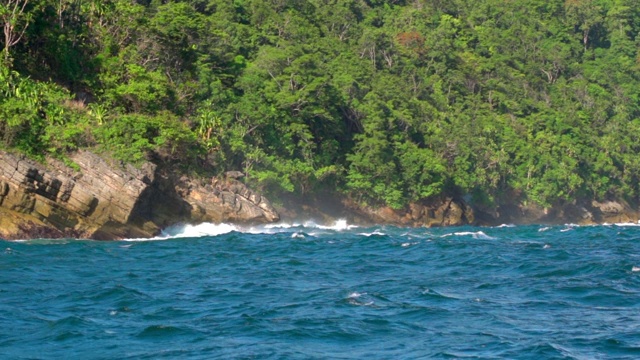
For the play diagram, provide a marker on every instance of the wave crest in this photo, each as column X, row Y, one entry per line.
column 211, row 229
column 476, row 235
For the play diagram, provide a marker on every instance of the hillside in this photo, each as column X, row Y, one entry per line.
column 386, row 103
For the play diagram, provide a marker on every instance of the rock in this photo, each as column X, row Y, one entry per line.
column 434, row 212
column 52, row 197
column 608, row 207
column 233, row 174
column 232, row 201
column 614, row 211
column 580, row 211
column 107, row 201
column 454, row 215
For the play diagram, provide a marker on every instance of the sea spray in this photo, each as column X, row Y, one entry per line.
column 211, row 229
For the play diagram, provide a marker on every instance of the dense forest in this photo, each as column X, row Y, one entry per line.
column 387, row 102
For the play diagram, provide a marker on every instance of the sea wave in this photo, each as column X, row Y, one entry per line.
column 628, row 224
column 204, row 229
column 212, row 229
column 476, row 235
column 379, row 293
column 374, row 233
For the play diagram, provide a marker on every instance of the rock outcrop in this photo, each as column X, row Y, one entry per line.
column 457, row 211
column 445, row 211
column 225, row 200
column 582, row 212
column 106, row 201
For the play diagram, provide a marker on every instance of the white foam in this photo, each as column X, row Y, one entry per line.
column 204, row 229
column 281, row 226
column 354, row 299
column 211, row 229
column 569, row 227
column 627, row 224
column 544, row 229
column 476, row 235
column 338, row 225
column 186, row 230
column 506, row 226
column 297, row 235
column 376, row 232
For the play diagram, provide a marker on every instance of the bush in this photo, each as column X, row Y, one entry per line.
column 132, row 137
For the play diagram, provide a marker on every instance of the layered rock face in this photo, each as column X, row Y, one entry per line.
column 103, row 201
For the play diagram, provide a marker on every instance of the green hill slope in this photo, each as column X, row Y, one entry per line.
column 388, row 102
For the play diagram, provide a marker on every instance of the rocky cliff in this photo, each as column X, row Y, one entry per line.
column 456, row 211
column 99, row 200
column 582, row 212
column 448, row 211
column 327, row 207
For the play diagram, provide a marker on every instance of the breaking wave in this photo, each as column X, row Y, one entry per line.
column 211, row 229
column 474, row 234
column 251, row 294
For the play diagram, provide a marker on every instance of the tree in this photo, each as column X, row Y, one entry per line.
column 15, row 21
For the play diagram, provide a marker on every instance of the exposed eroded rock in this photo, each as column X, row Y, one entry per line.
column 436, row 212
column 106, row 201
column 576, row 212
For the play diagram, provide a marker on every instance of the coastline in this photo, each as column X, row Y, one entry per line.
column 106, row 201
column 446, row 211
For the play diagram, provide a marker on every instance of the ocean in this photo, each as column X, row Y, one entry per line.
column 305, row 291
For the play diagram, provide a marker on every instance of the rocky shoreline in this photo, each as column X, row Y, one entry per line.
column 105, row 201
column 453, row 211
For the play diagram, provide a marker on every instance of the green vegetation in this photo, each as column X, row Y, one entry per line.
column 386, row 101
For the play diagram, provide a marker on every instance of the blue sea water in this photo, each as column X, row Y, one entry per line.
column 338, row 292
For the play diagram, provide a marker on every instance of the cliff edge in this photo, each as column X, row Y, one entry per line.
column 106, row 201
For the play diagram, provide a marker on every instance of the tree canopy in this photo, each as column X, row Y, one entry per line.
column 388, row 102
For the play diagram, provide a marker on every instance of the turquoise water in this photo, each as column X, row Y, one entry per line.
column 310, row 292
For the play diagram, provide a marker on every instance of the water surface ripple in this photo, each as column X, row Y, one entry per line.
column 312, row 292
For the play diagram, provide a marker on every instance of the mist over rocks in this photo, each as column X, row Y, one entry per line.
column 582, row 212
column 440, row 211
column 444, row 211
